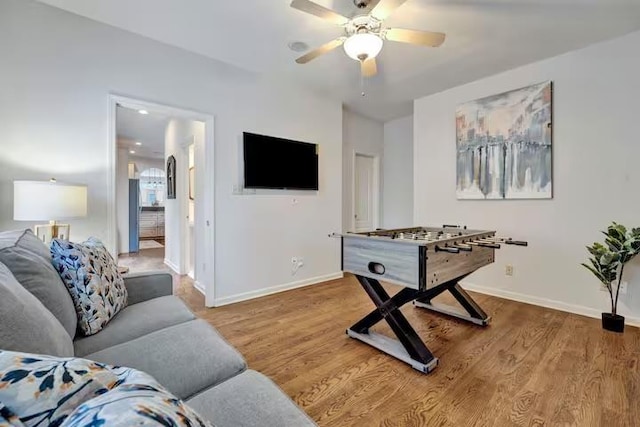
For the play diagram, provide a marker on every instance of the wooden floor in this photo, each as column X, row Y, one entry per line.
column 531, row 367
column 145, row 260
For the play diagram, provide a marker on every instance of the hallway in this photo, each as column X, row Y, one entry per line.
column 148, row 260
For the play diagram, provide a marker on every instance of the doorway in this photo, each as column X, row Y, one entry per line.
column 182, row 229
column 366, row 190
column 140, row 185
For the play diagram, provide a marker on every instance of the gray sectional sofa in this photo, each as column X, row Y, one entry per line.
column 155, row 333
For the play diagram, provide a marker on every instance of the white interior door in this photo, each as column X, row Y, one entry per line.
column 365, row 193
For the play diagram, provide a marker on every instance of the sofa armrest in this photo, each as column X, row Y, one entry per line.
column 145, row 286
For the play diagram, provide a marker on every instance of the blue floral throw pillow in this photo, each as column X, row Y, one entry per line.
column 91, row 276
column 48, row 391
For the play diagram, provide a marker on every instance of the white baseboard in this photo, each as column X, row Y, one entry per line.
column 275, row 289
column 543, row 302
column 199, row 287
column 172, row 266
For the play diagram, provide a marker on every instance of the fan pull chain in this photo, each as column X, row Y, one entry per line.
column 362, row 92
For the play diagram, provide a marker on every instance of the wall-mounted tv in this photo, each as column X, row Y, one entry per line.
column 277, row 163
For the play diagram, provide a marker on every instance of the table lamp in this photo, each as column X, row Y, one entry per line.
column 49, row 200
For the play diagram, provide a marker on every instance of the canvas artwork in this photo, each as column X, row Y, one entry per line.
column 504, row 145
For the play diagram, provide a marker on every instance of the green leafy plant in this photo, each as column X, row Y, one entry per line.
column 607, row 260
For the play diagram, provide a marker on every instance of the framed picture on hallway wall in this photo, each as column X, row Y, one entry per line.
column 503, row 145
column 171, row 177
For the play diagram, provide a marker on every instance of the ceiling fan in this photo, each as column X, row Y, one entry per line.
column 364, row 34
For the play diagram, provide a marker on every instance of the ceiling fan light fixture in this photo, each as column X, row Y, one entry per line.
column 363, row 45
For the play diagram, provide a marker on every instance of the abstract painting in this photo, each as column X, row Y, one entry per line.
column 504, row 145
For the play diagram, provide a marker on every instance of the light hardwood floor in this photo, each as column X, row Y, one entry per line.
column 531, row 367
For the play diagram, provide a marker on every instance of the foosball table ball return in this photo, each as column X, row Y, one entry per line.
column 426, row 261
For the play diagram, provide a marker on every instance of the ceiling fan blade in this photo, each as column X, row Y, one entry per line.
column 386, row 8
column 319, row 11
column 368, row 67
column 325, row 48
column 425, row 38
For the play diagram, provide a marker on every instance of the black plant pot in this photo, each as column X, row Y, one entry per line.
column 612, row 322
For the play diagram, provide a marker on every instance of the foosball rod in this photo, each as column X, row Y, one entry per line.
column 508, row 241
column 484, row 244
column 450, row 249
column 462, row 247
column 489, row 241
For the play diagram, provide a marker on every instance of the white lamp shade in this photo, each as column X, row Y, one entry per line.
column 366, row 45
column 44, row 200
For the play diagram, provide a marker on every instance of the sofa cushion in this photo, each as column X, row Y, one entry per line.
column 93, row 280
column 137, row 402
column 149, row 285
column 45, row 390
column 30, row 262
column 249, row 399
column 25, row 324
column 135, row 321
column 185, row 358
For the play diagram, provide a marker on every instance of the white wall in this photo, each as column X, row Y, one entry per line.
column 122, row 200
column 365, row 136
column 596, row 148
column 122, row 192
column 144, row 163
column 190, row 262
column 179, row 135
column 57, row 71
column 397, row 169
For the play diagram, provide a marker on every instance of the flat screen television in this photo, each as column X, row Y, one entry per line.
column 277, row 163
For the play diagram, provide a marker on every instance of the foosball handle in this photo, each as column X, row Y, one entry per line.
column 490, row 245
column 447, row 249
column 464, row 248
column 516, row 242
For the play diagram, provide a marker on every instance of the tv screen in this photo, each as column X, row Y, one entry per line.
column 276, row 163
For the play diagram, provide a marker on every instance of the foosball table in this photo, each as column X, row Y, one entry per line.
column 426, row 261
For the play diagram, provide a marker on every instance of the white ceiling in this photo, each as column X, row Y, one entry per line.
column 483, row 37
column 132, row 127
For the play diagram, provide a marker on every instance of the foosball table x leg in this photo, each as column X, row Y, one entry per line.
column 409, row 347
column 472, row 311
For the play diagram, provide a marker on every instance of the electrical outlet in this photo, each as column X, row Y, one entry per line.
column 508, row 270
column 296, row 263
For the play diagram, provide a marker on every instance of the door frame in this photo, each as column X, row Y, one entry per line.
column 376, row 187
column 185, row 250
column 205, row 284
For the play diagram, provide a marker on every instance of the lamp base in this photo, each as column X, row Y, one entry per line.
column 47, row 232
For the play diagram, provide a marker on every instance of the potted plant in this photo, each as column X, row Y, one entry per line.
column 607, row 263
